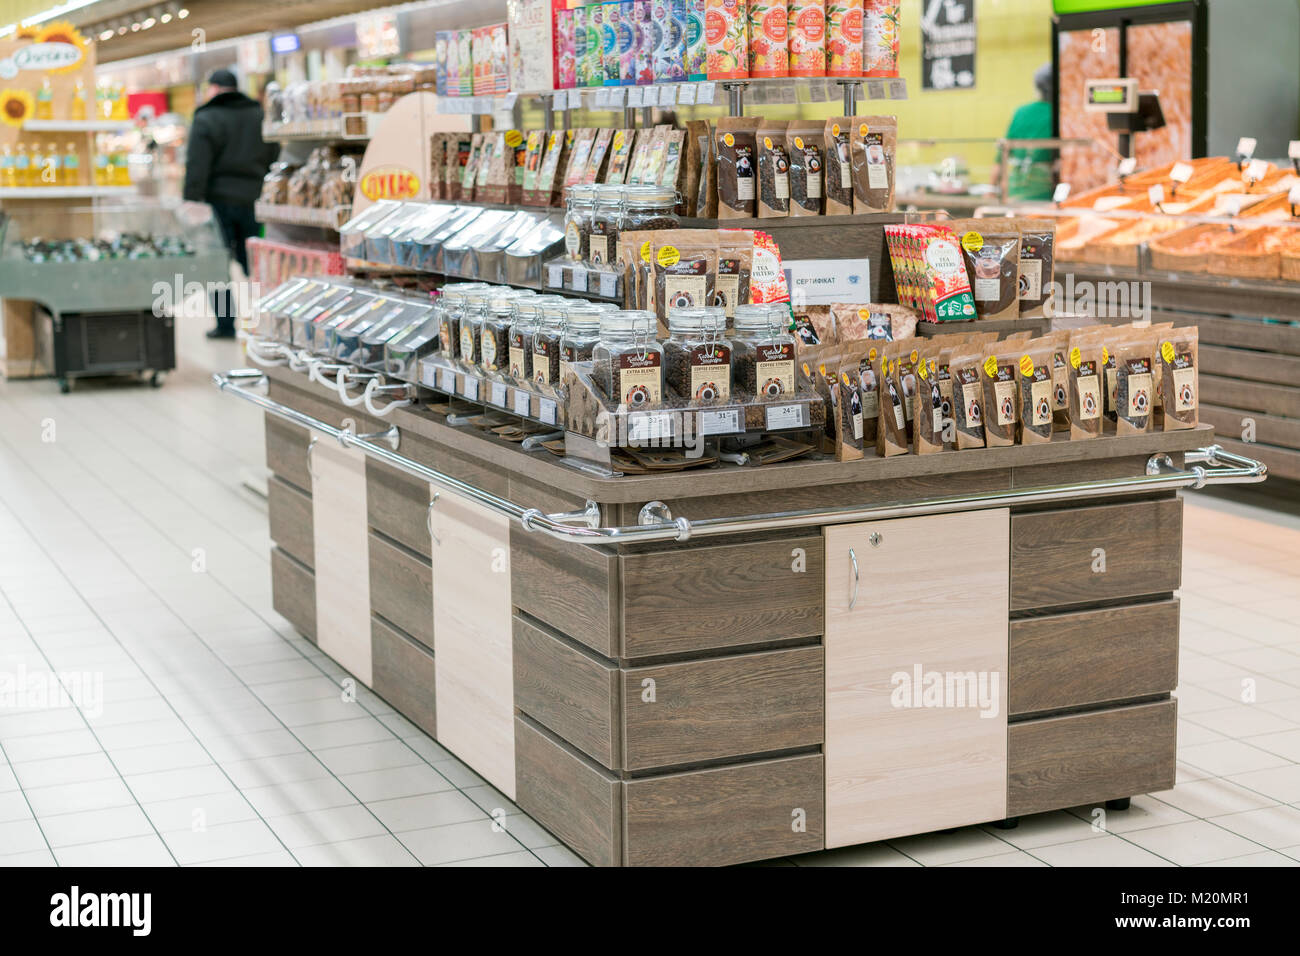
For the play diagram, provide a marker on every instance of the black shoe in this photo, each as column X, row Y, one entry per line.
column 221, row 333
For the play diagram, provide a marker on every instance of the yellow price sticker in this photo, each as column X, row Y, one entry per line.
column 514, row 138
column 728, row 139
column 798, row 142
column 991, row 366
column 1167, row 351
column 1026, row 366
column 914, row 356
column 668, row 256
column 767, row 142
column 1076, row 357
column 972, row 241
column 645, row 251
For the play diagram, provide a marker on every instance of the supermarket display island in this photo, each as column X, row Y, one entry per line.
column 739, row 663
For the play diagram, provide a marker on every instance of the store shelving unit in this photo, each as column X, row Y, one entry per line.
column 77, row 126
column 64, row 192
column 320, row 217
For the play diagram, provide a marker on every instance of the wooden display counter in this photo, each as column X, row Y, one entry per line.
column 793, row 684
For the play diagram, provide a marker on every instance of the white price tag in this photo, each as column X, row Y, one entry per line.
column 667, row 95
column 499, row 394
column 602, row 98
column 608, row 284
column 686, row 94
column 447, row 380
column 816, row 91
column 559, row 102
column 617, row 98
column 575, row 99
column 787, row 94
column 579, row 281
column 645, row 426
column 555, row 276
column 706, row 92
column 1256, row 170
column 523, row 402
column 546, row 410
column 1293, row 149
column 1156, row 194
column 898, row 89
column 508, row 103
column 1127, row 166
column 1232, row 205
column 1181, row 172
column 1246, row 147
column 1293, row 197
column 469, row 387
column 876, row 89
column 635, row 96
column 1061, row 193
column 722, row 421
column 786, row 416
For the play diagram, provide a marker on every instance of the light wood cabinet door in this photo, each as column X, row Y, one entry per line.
column 916, row 667
column 472, row 642
column 341, row 555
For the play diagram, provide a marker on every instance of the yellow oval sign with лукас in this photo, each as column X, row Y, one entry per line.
column 390, row 182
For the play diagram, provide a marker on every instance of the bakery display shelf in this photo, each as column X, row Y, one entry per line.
column 329, row 217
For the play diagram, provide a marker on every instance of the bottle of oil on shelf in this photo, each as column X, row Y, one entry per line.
column 120, row 111
column 45, row 100
column 51, row 166
column 71, row 166
column 121, row 172
column 102, row 174
column 8, row 169
column 78, row 109
column 103, row 102
column 22, row 166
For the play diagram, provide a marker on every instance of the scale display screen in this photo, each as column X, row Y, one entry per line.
column 1110, row 96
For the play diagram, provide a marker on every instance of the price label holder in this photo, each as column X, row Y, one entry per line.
column 720, row 421
column 1157, row 195
column 1232, row 205
column 817, row 91
column 667, row 94
column 447, row 380
column 499, row 394
column 608, row 284
column 546, row 410
column 898, row 89
column 705, row 93
column 578, row 282
column 1293, row 198
column 428, row 375
column 636, row 96
column 617, row 98
column 778, row 417
column 523, row 402
column 575, row 99
column 1293, row 153
column 1127, row 167
column 876, row 89
column 686, row 94
column 1180, row 174
column 1061, row 193
column 509, row 101
column 555, row 276
column 469, row 387
column 560, row 101
column 1256, row 170
column 649, row 426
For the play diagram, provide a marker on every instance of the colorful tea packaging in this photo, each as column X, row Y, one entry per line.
column 464, row 62
column 669, row 23
column 564, row 50
column 610, row 18
column 806, row 29
column 644, row 41
column 697, row 47
column 880, row 37
column 625, row 43
column 843, row 37
column 726, row 29
column 531, row 35
column 441, row 41
column 768, row 38
column 595, row 51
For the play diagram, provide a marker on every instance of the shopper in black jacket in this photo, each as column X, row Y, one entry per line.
column 224, row 166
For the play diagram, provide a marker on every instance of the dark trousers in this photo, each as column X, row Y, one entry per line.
column 238, row 223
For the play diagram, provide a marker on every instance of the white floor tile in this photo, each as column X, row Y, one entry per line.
column 95, row 826
column 1192, row 842
column 334, row 825
column 133, row 851
column 222, row 842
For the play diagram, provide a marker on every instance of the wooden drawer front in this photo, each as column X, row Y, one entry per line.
column 401, row 588
column 723, row 707
column 1102, row 755
column 403, row 674
column 571, row 587
column 569, row 795
column 1095, row 554
column 286, row 450
column 341, row 562
column 293, row 592
column 690, row 599
column 1091, row 657
column 397, row 506
column 289, row 512
column 725, row 815
column 568, row 691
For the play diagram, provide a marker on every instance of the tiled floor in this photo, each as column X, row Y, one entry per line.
column 133, row 554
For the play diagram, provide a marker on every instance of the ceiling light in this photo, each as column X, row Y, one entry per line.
column 135, row 27
column 165, row 18
column 182, row 13
column 121, row 30
column 148, row 22
column 105, row 35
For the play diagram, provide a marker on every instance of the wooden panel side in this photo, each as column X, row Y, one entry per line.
column 731, row 706
column 569, row 795
column 571, row 587
column 681, row 600
column 397, row 506
column 1098, row 755
column 293, row 592
column 401, row 588
column 1092, row 657
column 286, row 451
column 726, row 815
column 289, row 514
column 404, row 675
column 341, row 557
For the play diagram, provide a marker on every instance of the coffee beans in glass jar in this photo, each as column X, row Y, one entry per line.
column 579, row 202
column 628, row 361
column 546, row 344
column 697, row 355
column 763, row 352
column 581, row 333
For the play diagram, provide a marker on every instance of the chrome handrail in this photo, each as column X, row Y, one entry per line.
column 1214, row 465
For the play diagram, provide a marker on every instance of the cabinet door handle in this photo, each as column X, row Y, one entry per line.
column 854, row 598
column 428, row 519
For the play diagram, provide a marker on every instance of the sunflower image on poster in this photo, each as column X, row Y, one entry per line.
column 16, row 106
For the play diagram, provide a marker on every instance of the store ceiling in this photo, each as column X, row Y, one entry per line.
column 217, row 19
